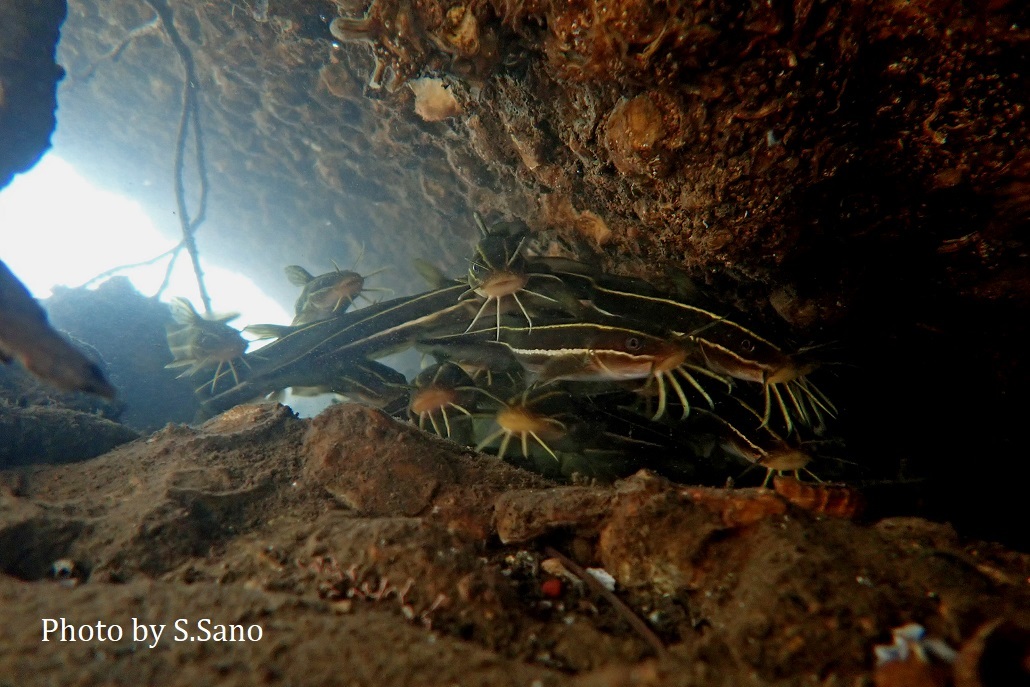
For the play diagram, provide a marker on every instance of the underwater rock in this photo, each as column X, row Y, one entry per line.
column 29, row 73
column 353, row 527
column 19, row 388
column 251, row 422
column 382, row 475
column 128, row 330
column 43, row 434
column 379, row 466
column 522, row 516
column 643, row 133
column 27, row 337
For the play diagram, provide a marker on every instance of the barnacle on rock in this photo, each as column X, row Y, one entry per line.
column 642, row 134
column 433, row 100
column 471, row 42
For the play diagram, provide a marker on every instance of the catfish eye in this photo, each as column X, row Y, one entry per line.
column 747, row 345
column 633, row 343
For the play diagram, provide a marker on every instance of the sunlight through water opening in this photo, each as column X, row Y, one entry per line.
column 69, row 237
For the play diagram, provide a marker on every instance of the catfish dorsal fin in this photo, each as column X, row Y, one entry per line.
column 183, row 311
column 297, row 275
column 431, row 273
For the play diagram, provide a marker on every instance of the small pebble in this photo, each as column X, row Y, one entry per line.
column 551, row 588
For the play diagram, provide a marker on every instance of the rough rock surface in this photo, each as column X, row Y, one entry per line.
column 127, row 330
column 849, row 175
column 852, row 173
column 28, row 81
column 799, row 150
column 42, row 434
column 371, row 553
column 39, row 424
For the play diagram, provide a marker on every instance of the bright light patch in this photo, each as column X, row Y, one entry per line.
column 58, row 228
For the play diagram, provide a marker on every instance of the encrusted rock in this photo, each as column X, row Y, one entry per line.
column 373, row 463
column 29, row 32
column 40, row 434
column 250, row 420
column 525, row 515
column 380, row 466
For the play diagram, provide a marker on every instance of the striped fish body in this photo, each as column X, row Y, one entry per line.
column 372, row 332
column 335, row 354
column 728, row 347
column 365, row 380
column 578, row 351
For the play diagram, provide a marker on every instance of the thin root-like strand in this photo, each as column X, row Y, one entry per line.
column 625, row 611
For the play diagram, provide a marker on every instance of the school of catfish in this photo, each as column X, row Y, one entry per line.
column 547, row 362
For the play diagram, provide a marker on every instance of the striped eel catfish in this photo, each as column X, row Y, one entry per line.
column 316, row 354
column 439, row 389
column 526, row 417
column 498, row 271
column 727, row 348
column 301, row 353
column 372, row 332
column 766, row 449
column 367, row 381
column 560, row 431
column 199, row 342
column 327, row 294
column 596, row 352
column 489, row 365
